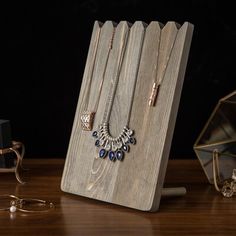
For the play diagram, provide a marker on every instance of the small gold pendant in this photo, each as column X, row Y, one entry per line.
column 154, row 94
column 87, row 119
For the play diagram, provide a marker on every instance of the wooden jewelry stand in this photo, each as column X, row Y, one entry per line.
column 19, row 157
column 137, row 181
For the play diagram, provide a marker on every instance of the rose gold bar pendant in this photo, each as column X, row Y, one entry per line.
column 154, row 93
column 87, row 119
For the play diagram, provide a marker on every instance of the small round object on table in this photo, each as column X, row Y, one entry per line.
column 12, row 209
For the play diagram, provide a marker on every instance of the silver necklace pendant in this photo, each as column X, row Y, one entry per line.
column 114, row 148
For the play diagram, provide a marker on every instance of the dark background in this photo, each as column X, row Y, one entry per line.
column 44, row 54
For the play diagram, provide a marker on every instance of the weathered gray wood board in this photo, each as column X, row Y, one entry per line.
column 137, row 181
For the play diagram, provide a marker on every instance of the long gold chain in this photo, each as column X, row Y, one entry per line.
column 87, row 93
column 87, row 116
column 159, row 79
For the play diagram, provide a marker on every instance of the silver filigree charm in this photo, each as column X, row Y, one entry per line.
column 87, row 119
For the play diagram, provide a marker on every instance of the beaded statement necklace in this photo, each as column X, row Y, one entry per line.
column 87, row 116
column 115, row 147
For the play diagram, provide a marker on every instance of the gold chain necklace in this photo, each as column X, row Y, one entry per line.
column 158, row 78
column 87, row 116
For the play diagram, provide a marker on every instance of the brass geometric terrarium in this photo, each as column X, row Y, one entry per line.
column 219, row 135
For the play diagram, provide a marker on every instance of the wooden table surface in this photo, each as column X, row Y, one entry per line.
column 201, row 212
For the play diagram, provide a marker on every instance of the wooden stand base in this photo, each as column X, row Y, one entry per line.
column 173, row 192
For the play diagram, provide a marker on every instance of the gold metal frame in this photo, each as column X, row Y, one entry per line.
column 16, row 146
column 219, row 133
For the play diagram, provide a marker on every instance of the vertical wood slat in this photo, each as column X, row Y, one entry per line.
column 76, row 129
column 175, row 71
column 103, row 173
column 137, row 181
column 139, row 163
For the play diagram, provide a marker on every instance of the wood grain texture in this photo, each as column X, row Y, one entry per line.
column 137, row 181
column 201, row 212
